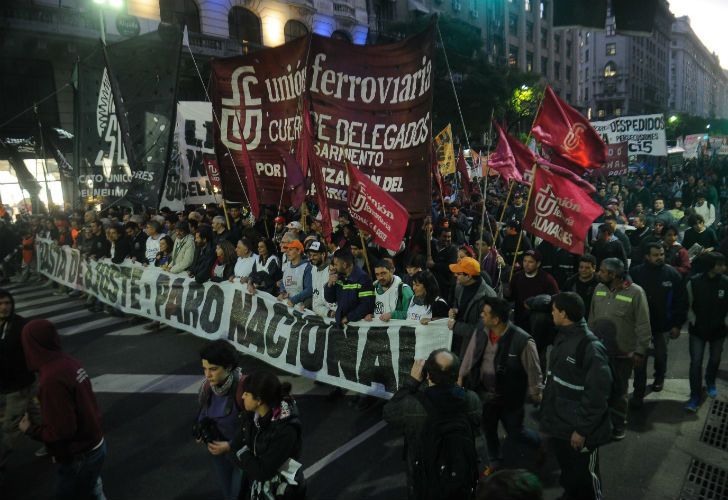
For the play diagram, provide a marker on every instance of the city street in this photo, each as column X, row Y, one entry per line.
column 146, row 384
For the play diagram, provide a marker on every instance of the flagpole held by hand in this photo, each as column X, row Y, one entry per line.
column 364, row 249
column 520, row 234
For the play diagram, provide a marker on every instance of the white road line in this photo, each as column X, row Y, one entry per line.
column 341, row 450
column 84, row 327
column 30, row 294
column 54, row 308
column 37, row 302
column 71, row 315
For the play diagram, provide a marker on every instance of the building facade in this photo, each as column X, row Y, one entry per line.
column 625, row 75
column 698, row 84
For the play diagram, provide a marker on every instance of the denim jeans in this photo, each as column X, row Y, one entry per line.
column 659, row 341
column 512, row 422
column 80, row 479
column 697, row 350
column 229, row 476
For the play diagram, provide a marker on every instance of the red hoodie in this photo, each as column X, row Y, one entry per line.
column 70, row 415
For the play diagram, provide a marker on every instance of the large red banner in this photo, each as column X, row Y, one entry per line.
column 372, row 106
column 560, row 212
column 375, row 211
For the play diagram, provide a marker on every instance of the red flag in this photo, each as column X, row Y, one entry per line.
column 213, row 171
column 561, row 212
column 307, row 159
column 567, row 174
column 568, row 133
column 503, row 160
column 295, row 180
column 249, row 175
column 462, row 167
column 375, row 211
column 436, row 171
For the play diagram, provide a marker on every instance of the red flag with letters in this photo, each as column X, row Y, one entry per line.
column 568, row 133
column 307, row 161
column 374, row 210
column 560, row 211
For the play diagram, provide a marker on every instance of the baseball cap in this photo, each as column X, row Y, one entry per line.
column 467, row 265
column 294, row 244
column 279, row 220
column 533, row 253
column 294, row 225
column 315, row 246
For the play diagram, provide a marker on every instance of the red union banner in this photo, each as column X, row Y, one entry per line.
column 617, row 163
column 213, row 172
column 375, row 211
column 372, row 106
column 560, row 212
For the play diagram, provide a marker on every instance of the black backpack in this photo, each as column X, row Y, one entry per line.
column 447, row 466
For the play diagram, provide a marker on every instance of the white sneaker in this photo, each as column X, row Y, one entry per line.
column 41, row 452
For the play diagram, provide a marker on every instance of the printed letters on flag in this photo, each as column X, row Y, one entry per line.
column 568, row 133
column 375, row 211
column 560, row 211
column 445, row 151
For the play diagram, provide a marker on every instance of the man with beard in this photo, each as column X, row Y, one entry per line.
column 391, row 295
column 624, row 304
column 584, row 281
column 667, row 301
column 641, row 235
column 320, row 270
column 204, row 255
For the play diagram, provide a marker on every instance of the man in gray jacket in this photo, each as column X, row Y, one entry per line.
column 575, row 406
column 623, row 303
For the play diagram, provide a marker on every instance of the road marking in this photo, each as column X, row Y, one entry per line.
column 54, row 308
column 132, row 330
column 84, row 327
column 341, row 450
column 37, row 302
column 71, row 315
column 29, row 294
column 184, row 384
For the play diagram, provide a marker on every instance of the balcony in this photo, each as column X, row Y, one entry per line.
column 344, row 11
column 212, row 46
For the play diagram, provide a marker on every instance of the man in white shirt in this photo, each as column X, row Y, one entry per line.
column 154, row 235
column 320, row 271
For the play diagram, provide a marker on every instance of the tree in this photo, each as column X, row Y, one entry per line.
column 481, row 87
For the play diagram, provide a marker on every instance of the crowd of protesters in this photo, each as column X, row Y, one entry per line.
column 531, row 322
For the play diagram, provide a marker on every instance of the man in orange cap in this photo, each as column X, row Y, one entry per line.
column 296, row 284
column 471, row 291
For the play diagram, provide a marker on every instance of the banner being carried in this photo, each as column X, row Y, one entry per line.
column 188, row 181
column 372, row 107
column 370, row 357
column 644, row 133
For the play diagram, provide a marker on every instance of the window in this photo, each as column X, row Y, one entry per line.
column 542, row 9
column 557, row 42
column 601, row 113
column 544, row 66
column 557, row 70
column 544, row 38
column 529, row 61
column 611, row 49
column 568, row 74
column 512, row 55
column 586, row 97
column 586, row 55
column 182, row 12
column 529, row 31
column 618, row 111
column 341, row 35
column 568, row 48
column 611, row 29
column 610, row 70
column 513, row 24
column 527, row 5
column 294, row 29
column 244, row 26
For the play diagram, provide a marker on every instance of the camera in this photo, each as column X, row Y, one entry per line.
column 206, row 431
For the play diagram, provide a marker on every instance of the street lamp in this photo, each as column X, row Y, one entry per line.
column 114, row 4
column 673, row 119
column 707, row 127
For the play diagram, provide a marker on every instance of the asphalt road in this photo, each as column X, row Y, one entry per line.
column 146, row 384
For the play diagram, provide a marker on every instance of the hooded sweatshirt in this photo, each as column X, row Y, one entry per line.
column 14, row 373
column 69, row 412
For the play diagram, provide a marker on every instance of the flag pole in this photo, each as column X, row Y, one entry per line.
column 364, row 249
column 485, row 186
column 505, row 203
column 520, row 233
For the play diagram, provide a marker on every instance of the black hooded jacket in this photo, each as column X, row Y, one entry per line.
column 14, row 372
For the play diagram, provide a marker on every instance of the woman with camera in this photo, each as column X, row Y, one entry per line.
column 269, row 445
column 218, row 420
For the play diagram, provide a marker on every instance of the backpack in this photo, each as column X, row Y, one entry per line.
column 447, row 468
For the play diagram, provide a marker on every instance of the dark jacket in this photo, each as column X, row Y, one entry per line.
column 122, row 250
column 666, row 295
column 139, row 247
column 708, row 301
column 14, row 372
column 407, row 414
column 577, row 398
column 443, row 257
column 609, row 249
column 511, row 379
column 468, row 315
column 584, row 290
column 99, row 246
column 353, row 295
column 69, row 412
column 638, row 239
column 264, row 445
column 202, row 265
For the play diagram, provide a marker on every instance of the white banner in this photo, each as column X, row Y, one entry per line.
column 187, row 183
column 692, row 145
column 368, row 357
column 644, row 133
